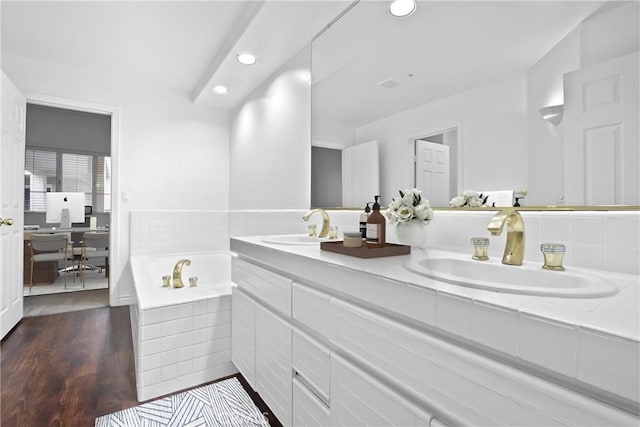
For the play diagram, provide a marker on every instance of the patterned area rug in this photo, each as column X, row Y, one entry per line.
column 224, row 403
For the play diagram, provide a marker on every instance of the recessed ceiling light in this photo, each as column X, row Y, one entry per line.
column 221, row 90
column 246, row 59
column 402, row 8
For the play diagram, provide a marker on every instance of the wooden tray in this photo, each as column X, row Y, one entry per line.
column 390, row 249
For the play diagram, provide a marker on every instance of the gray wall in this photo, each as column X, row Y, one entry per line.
column 326, row 177
column 68, row 130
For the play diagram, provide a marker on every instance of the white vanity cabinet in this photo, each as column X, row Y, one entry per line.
column 326, row 357
column 261, row 334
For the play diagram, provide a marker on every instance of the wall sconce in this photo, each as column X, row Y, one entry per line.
column 552, row 114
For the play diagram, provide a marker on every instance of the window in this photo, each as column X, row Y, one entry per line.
column 53, row 171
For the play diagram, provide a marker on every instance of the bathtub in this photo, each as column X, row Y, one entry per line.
column 181, row 337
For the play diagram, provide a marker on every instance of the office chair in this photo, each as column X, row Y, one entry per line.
column 95, row 244
column 47, row 248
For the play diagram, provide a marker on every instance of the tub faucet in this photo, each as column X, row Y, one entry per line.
column 177, row 273
column 514, row 247
column 325, row 220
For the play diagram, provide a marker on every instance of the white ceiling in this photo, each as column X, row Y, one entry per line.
column 191, row 46
column 447, row 47
column 180, row 45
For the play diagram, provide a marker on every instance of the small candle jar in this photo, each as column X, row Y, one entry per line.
column 352, row 239
column 480, row 248
column 166, row 281
column 312, row 230
column 553, row 254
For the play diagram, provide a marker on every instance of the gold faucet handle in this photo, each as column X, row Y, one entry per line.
column 553, row 254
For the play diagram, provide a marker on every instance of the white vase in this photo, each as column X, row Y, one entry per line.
column 412, row 233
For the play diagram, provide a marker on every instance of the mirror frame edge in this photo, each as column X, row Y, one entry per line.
column 628, row 208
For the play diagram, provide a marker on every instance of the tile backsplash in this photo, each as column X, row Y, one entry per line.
column 604, row 240
column 172, row 232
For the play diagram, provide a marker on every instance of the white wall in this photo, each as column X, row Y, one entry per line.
column 270, row 141
column 592, row 42
column 173, row 154
column 493, row 128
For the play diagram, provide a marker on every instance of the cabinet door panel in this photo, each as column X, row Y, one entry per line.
column 311, row 361
column 273, row 363
column 357, row 400
column 308, row 410
column 272, row 288
column 310, row 307
column 243, row 335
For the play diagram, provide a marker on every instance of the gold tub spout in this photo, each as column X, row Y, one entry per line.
column 177, row 273
column 514, row 247
column 325, row 221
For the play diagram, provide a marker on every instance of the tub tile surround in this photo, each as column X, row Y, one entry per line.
column 181, row 346
column 557, row 337
column 187, row 343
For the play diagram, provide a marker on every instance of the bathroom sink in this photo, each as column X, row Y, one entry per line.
column 293, row 239
column 528, row 278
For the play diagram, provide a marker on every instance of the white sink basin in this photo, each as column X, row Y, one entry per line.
column 293, row 239
column 528, row 279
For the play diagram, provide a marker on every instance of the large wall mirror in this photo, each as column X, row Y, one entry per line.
column 451, row 95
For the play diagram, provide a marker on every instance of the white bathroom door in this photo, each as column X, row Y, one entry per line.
column 360, row 174
column 601, row 130
column 11, row 204
column 432, row 171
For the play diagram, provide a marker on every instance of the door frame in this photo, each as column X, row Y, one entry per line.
column 114, row 226
column 436, row 129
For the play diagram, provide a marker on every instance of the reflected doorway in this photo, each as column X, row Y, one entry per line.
column 435, row 166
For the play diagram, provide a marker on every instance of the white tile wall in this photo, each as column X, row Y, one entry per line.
column 171, row 232
column 594, row 239
column 181, row 346
column 267, row 222
column 602, row 240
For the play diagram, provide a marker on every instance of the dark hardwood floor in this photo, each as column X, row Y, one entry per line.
column 67, row 369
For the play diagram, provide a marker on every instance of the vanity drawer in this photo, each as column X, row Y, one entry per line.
column 273, row 289
column 311, row 363
column 310, row 307
column 446, row 375
column 360, row 400
column 308, row 410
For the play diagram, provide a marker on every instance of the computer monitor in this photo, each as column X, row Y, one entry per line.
column 65, row 208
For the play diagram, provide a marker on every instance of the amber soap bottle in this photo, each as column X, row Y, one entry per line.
column 376, row 229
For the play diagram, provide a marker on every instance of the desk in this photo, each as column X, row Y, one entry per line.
column 64, row 230
column 46, row 272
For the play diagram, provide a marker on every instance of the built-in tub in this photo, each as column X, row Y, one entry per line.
column 181, row 336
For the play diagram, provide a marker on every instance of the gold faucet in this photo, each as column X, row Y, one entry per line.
column 177, row 273
column 514, row 248
column 325, row 220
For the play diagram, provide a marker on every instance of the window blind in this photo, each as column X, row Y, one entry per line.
column 86, row 173
column 39, row 177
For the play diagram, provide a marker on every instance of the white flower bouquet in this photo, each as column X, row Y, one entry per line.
column 411, row 206
column 471, row 199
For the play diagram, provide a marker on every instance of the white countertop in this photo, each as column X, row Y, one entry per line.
column 594, row 341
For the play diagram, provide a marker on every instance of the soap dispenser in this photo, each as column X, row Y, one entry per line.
column 364, row 217
column 376, row 224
